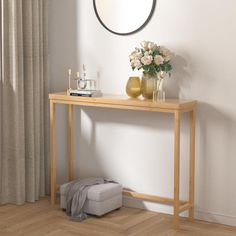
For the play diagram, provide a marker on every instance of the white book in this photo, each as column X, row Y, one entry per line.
column 85, row 93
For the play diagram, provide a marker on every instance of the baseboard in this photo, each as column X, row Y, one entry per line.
column 216, row 218
column 199, row 214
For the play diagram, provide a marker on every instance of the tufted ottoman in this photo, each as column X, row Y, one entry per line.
column 101, row 198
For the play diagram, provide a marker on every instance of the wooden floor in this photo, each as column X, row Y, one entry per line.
column 41, row 219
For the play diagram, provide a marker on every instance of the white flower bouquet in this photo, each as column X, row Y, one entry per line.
column 151, row 58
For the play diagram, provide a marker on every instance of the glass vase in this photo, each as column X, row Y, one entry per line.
column 149, row 84
column 133, row 87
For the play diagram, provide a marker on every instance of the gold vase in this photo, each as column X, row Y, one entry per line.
column 149, row 84
column 133, row 87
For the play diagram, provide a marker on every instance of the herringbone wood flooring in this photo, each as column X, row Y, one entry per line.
column 41, row 219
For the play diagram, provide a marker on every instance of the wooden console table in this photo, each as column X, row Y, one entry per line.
column 176, row 107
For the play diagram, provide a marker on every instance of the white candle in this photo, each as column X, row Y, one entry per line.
column 69, row 81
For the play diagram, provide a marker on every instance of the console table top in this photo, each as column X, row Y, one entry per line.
column 123, row 102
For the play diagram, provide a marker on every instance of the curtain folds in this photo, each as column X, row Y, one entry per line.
column 23, row 101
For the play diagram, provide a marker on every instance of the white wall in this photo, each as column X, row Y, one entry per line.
column 135, row 148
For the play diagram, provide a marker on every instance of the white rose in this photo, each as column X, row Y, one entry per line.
column 139, row 55
column 151, row 46
column 135, row 55
column 132, row 63
column 158, row 60
column 132, row 55
column 147, row 60
column 167, row 57
column 150, row 52
column 166, row 53
column 144, row 44
column 137, row 64
column 147, row 53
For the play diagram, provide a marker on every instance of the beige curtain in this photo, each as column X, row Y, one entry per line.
column 23, row 101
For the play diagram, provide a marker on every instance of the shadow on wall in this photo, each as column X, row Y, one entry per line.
column 157, row 121
column 215, row 167
column 180, row 77
column 87, row 146
column 93, row 151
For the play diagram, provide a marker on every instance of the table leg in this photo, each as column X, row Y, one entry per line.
column 52, row 153
column 70, row 143
column 176, row 169
column 192, row 163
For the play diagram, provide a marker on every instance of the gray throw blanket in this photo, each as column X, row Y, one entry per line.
column 76, row 194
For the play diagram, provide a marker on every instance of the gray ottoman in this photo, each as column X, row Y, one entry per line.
column 101, row 198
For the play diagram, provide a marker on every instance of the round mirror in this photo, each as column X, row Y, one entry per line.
column 124, row 17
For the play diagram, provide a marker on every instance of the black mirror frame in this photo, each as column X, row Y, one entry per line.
column 129, row 33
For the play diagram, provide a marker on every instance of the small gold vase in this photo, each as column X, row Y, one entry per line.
column 133, row 87
column 149, row 84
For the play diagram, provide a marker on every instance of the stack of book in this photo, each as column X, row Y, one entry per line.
column 85, row 93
